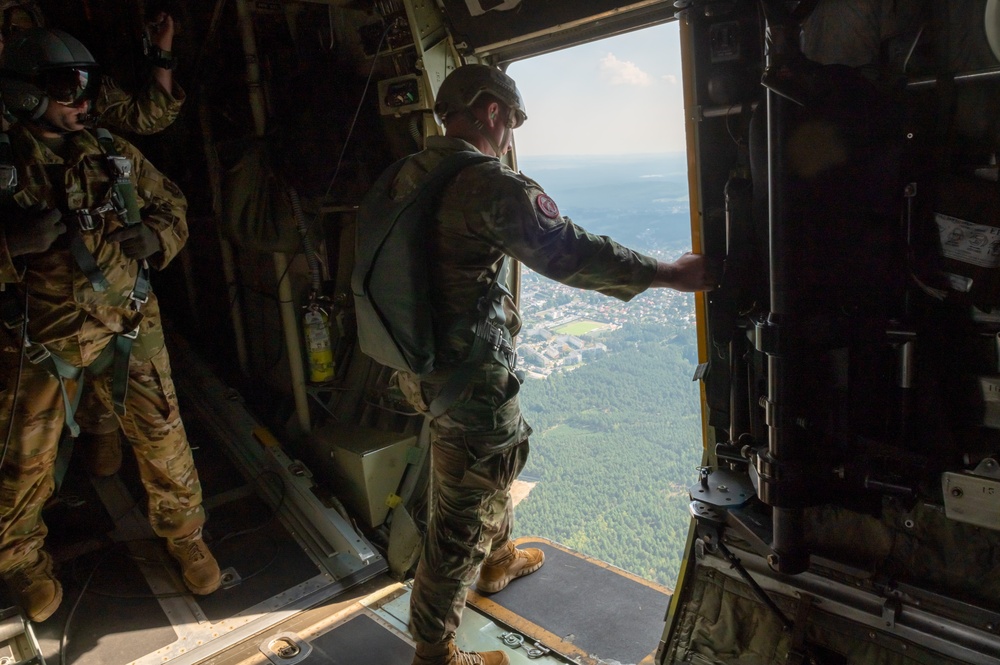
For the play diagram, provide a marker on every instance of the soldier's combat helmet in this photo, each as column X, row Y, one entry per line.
column 465, row 85
column 43, row 65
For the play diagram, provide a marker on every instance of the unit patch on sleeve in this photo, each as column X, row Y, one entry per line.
column 547, row 206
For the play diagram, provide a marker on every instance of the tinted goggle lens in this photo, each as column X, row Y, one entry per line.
column 70, row 86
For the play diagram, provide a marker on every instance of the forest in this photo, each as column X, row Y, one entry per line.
column 616, row 443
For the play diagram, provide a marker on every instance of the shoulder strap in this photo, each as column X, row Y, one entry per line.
column 123, row 191
column 8, row 172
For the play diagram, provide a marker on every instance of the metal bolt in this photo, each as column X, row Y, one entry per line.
column 871, row 635
column 957, row 492
column 909, row 524
column 909, row 135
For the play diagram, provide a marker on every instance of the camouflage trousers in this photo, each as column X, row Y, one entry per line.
column 478, row 448
column 151, row 423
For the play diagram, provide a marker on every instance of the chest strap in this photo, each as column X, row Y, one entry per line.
column 123, row 194
column 492, row 340
column 123, row 201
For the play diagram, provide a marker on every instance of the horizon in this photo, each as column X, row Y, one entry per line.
column 616, row 96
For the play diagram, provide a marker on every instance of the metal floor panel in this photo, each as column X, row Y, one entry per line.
column 582, row 607
column 359, row 640
column 477, row 632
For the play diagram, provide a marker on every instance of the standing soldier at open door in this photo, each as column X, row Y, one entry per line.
column 486, row 215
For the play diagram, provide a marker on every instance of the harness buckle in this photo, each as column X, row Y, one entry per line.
column 138, row 300
column 85, row 219
column 36, row 353
column 132, row 334
column 13, row 319
column 8, row 177
column 85, row 216
column 120, row 166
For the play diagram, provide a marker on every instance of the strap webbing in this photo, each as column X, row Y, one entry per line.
column 122, row 190
column 126, row 203
column 87, row 264
column 492, row 338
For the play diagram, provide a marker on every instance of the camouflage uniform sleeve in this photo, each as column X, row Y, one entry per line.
column 150, row 111
column 526, row 224
column 162, row 204
column 9, row 271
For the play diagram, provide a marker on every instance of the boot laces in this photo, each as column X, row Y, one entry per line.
column 21, row 580
column 192, row 552
column 468, row 658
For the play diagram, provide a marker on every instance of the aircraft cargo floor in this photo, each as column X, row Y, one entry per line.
column 284, row 600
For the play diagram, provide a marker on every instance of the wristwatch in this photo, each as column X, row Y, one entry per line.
column 160, row 58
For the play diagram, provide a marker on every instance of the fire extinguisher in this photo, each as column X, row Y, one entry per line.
column 316, row 326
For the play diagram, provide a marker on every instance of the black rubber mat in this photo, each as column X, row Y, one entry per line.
column 360, row 640
column 261, row 551
column 597, row 608
column 116, row 621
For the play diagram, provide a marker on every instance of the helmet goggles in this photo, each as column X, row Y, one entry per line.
column 69, row 86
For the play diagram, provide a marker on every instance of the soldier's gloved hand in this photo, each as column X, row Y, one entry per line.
column 137, row 242
column 35, row 232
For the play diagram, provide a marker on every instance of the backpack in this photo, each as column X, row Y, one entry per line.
column 391, row 279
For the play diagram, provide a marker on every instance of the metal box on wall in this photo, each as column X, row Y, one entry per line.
column 364, row 466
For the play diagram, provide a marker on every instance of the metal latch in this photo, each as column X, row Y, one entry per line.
column 514, row 640
column 974, row 498
column 285, row 649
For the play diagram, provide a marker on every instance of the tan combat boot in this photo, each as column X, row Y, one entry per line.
column 102, row 453
column 35, row 587
column 200, row 569
column 446, row 653
column 505, row 564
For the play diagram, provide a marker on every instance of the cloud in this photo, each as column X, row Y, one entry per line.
column 670, row 78
column 622, row 72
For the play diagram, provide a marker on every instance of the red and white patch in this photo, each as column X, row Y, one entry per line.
column 547, row 206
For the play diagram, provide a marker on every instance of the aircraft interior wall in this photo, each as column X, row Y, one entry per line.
column 848, row 509
column 850, row 348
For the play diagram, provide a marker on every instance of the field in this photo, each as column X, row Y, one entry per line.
column 577, row 328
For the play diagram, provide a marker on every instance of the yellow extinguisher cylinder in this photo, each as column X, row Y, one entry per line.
column 316, row 325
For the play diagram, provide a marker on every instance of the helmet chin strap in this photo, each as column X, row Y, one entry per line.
column 478, row 124
column 43, row 123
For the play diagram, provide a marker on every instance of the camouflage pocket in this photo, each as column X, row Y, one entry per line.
column 149, row 342
column 498, row 471
column 151, row 387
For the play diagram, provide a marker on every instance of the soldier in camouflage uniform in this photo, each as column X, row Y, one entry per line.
column 64, row 171
column 480, row 443
column 152, row 110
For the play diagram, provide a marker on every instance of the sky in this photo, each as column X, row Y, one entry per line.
column 616, row 96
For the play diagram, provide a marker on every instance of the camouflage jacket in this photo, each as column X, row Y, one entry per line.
column 65, row 313
column 150, row 111
column 488, row 211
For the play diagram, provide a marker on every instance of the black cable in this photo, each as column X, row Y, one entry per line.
column 69, row 617
column 347, row 140
column 758, row 591
column 17, row 381
column 357, row 111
